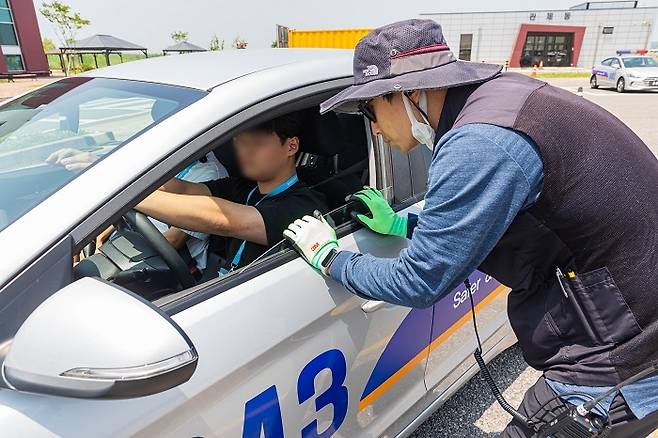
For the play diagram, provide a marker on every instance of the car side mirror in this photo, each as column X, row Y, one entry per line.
column 92, row 339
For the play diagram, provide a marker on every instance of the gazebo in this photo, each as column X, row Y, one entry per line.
column 183, row 47
column 100, row 45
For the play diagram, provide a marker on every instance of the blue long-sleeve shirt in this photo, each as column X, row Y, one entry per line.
column 480, row 178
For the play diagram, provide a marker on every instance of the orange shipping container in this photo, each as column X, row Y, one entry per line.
column 334, row 38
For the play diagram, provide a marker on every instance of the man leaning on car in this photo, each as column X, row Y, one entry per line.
column 523, row 187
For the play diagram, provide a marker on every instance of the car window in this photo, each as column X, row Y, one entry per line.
column 615, row 63
column 51, row 135
column 332, row 162
column 607, row 62
column 639, row 61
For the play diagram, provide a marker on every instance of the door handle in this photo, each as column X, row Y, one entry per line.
column 373, row 306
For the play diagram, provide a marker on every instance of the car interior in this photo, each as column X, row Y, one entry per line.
column 333, row 160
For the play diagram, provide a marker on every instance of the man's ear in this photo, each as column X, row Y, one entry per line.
column 292, row 144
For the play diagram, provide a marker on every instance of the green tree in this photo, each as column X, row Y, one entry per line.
column 67, row 23
column 48, row 45
column 179, row 36
column 216, row 43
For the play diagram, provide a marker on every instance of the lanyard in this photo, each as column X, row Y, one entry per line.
column 276, row 191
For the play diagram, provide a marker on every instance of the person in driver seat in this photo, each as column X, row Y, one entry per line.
column 250, row 210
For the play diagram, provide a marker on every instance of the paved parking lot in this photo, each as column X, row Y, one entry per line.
column 473, row 412
column 637, row 109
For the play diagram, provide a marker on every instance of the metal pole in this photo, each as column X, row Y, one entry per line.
column 646, row 41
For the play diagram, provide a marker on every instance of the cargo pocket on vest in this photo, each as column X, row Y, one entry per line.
column 605, row 306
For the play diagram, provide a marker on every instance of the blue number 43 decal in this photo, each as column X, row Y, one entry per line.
column 263, row 412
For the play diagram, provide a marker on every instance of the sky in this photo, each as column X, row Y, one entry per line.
column 151, row 22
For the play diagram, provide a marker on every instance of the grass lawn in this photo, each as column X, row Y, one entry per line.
column 565, row 74
column 88, row 60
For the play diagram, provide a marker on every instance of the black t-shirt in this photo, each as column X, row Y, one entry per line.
column 278, row 212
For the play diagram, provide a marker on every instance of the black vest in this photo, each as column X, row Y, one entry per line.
column 596, row 218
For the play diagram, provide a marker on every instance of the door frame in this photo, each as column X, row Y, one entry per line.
column 267, row 108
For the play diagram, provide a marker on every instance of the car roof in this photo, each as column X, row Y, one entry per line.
column 206, row 70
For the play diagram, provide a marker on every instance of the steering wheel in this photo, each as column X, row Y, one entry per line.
column 141, row 223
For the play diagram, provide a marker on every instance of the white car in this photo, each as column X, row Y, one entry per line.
column 126, row 344
column 626, row 72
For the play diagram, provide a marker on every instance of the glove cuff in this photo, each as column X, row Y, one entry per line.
column 399, row 226
column 322, row 252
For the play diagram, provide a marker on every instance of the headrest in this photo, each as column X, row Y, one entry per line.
column 329, row 134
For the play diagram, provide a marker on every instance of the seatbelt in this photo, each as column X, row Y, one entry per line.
column 276, row 191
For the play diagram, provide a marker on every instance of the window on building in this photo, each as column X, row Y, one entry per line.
column 14, row 62
column 608, row 30
column 465, row 46
column 7, row 30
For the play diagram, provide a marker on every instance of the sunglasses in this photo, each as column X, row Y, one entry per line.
column 364, row 108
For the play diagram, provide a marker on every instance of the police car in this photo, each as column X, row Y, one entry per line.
column 626, row 72
column 272, row 349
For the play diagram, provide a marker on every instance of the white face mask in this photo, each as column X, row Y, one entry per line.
column 422, row 132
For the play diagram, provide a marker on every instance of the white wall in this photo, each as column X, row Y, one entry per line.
column 495, row 33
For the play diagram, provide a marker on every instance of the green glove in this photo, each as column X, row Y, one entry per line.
column 313, row 238
column 384, row 220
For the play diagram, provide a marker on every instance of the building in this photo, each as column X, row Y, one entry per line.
column 20, row 40
column 579, row 36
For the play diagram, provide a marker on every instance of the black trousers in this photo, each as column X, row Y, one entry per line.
column 624, row 422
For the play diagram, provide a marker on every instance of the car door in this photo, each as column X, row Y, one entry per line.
column 615, row 72
column 603, row 72
column 285, row 351
column 452, row 340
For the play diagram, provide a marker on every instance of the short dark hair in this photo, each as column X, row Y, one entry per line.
column 285, row 126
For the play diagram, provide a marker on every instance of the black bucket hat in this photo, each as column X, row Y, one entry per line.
column 404, row 56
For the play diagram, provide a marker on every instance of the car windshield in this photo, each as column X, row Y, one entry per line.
column 640, row 61
column 51, row 135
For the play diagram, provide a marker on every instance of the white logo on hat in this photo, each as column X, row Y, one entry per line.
column 371, row 70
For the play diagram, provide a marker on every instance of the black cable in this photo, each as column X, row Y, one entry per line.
column 581, row 410
column 485, row 370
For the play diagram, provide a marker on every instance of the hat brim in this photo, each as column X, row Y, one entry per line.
column 450, row 75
